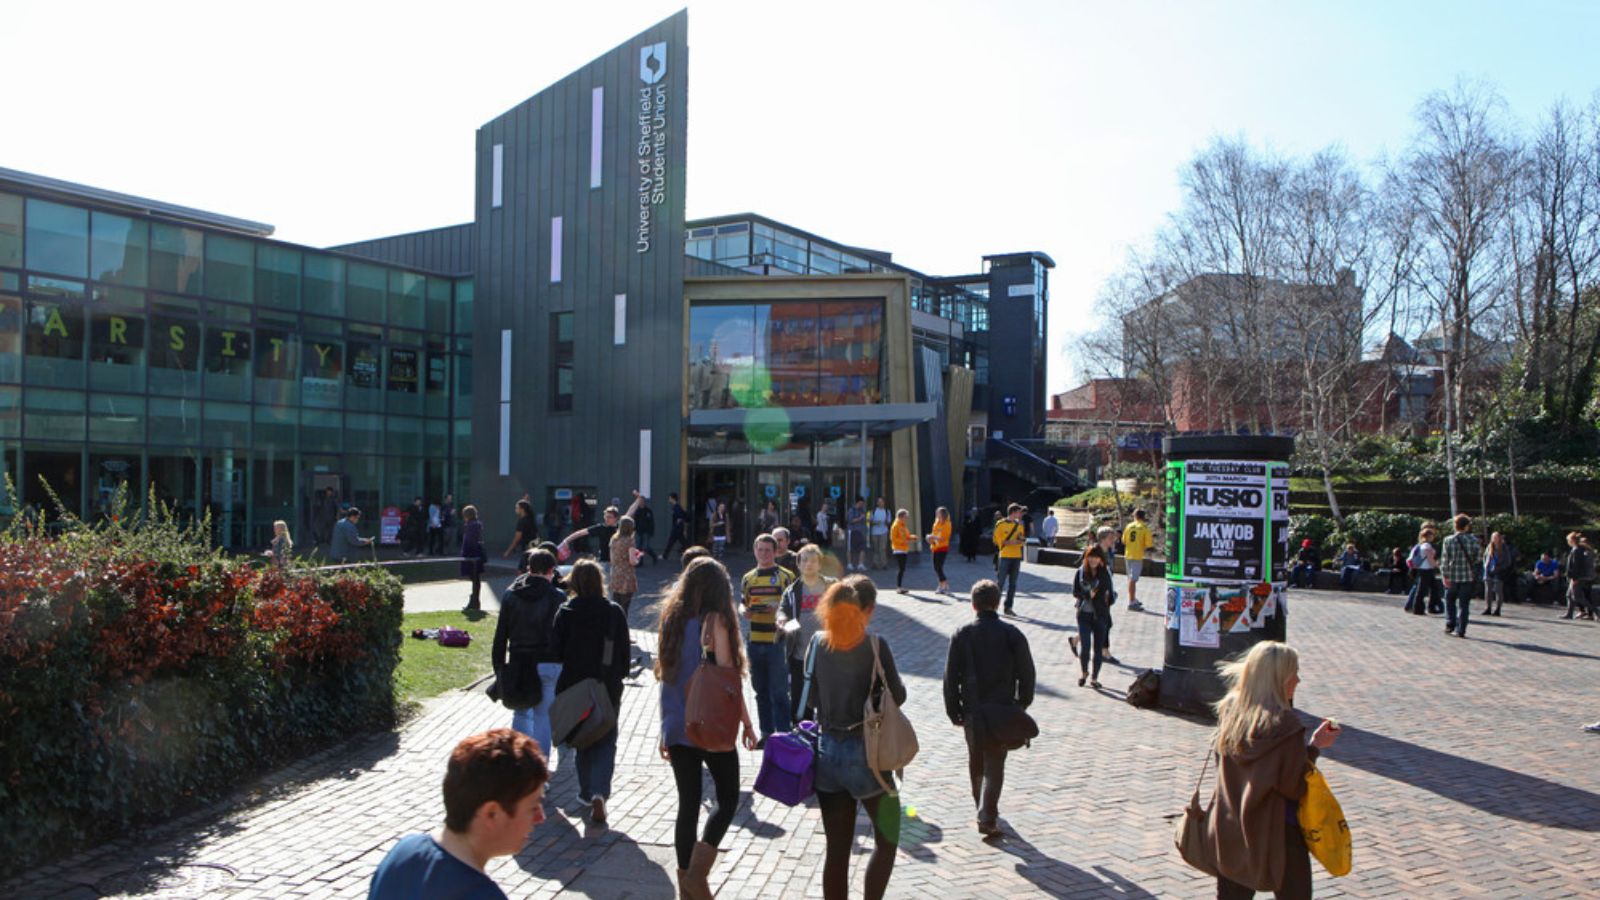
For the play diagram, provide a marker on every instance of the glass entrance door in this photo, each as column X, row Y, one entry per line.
column 802, row 502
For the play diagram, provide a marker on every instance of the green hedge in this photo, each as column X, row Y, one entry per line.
column 143, row 671
column 1376, row 533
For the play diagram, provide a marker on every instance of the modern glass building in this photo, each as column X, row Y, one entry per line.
column 576, row 340
column 149, row 345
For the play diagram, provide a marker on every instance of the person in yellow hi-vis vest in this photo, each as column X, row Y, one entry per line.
column 1136, row 541
column 1010, row 535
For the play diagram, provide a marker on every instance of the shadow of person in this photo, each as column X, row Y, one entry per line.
column 1058, row 879
column 1492, row 789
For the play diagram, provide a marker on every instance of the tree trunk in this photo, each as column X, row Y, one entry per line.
column 1449, row 439
column 1333, row 501
column 1483, row 499
column 1511, row 466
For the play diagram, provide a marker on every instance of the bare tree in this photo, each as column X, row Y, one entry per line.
column 1460, row 174
column 1556, row 250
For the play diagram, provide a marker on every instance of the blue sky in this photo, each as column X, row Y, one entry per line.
column 938, row 130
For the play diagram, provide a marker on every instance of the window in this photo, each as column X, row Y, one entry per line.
column 58, row 239
column 228, row 362
column 10, row 338
column 55, row 344
column 116, row 344
column 403, row 370
column 117, row 418
column 276, row 364
column 118, row 250
column 561, row 358
column 463, row 313
column 174, row 353
column 323, row 287
column 322, row 372
column 176, row 261
column 364, row 289
column 10, row 231
column 53, row 416
column 407, row 299
column 497, row 177
column 174, row 421
column 438, row 321
column 230, row 268
column 363, row 375
column 277, row 277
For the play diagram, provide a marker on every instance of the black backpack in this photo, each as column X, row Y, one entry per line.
column 644, row 520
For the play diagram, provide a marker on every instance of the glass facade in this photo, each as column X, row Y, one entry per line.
column 792, row 353
column 223, row 371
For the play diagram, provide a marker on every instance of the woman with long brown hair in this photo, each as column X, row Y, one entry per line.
column 590, row 634
column 841, row 679
column 698, row 626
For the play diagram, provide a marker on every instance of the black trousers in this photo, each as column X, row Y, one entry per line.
column 724, row 769
column 797, row 684
column 938, row 564
column 900, row 574
column 839, row 830
column 987, row 769
column 676, row 539
column 1296, row 872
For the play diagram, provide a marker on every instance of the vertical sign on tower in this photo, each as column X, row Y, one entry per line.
column 651, row 149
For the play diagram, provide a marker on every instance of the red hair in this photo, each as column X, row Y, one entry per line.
column 843, row 611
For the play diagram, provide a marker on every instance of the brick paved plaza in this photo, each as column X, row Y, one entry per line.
column 1462, row 770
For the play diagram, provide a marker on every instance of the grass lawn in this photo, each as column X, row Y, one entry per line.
column 427, row 669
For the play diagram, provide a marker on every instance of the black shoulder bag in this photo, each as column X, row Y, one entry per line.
column 997, row 726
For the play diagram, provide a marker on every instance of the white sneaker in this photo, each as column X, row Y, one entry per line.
column 1594, row 729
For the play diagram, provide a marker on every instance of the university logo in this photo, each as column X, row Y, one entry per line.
column 653, row 62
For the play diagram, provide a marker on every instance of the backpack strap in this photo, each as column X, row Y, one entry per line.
column 811, row 664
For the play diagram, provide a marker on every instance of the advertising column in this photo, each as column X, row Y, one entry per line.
column 1227, row 558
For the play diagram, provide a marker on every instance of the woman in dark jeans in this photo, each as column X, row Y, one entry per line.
column 842, row 677
column 1092, row 586
column 473, row 554
column 698, row 627
column 591, row 637
column 1398, row 573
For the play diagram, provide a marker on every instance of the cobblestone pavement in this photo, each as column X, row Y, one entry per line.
column 1462, row 770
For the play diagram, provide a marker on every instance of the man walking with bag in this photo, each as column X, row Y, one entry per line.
column 988, row 685
column 1459, row 566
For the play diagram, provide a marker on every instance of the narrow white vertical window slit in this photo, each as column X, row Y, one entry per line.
column 505, row 401
column 597, row 117
column 555, row 249
column 644, row 462
column 498, row 179
column 620, row 329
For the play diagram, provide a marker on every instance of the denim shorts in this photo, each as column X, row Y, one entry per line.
column 842, row 767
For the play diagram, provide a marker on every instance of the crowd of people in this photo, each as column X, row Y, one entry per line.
column 805, row 642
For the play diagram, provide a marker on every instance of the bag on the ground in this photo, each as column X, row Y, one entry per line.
column 1322, row 822
column 713, row 707
column 454, row 637
column 1146, row 689
column 890, row 740
column 1191, row 837
column 789, row 765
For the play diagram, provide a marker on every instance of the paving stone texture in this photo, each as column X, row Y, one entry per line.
column 1462, row 770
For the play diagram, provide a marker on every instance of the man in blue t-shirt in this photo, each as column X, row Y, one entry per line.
column 493, row 796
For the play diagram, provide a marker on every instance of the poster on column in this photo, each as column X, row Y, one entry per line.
column 1225, row 521
column 1198, row 621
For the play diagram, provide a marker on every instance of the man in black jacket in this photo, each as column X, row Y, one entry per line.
column 989, row 663
column 526, row 665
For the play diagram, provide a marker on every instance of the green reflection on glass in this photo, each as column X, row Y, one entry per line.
column 766, row 429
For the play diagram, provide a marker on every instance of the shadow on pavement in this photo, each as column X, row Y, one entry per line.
column 1535, row 648
column 1058, row 879
column 1492, row 789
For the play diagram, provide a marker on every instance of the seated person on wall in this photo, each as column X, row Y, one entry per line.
column 1546, row 579
column 1305, row 566
column 493, row 796
column 1349, row 567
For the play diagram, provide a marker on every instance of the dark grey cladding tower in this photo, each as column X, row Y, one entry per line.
column 580, row 211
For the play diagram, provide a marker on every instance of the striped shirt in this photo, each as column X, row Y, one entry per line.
column 761, row 591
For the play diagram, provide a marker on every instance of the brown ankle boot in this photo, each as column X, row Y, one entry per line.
column 683, row 885
column 696, row 881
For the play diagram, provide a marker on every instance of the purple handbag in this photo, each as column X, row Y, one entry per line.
column 789, row 760
column 789, row 765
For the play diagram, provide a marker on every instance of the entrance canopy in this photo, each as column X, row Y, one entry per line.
column 812, row 422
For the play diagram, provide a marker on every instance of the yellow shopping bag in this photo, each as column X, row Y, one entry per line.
column 1322, row 821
